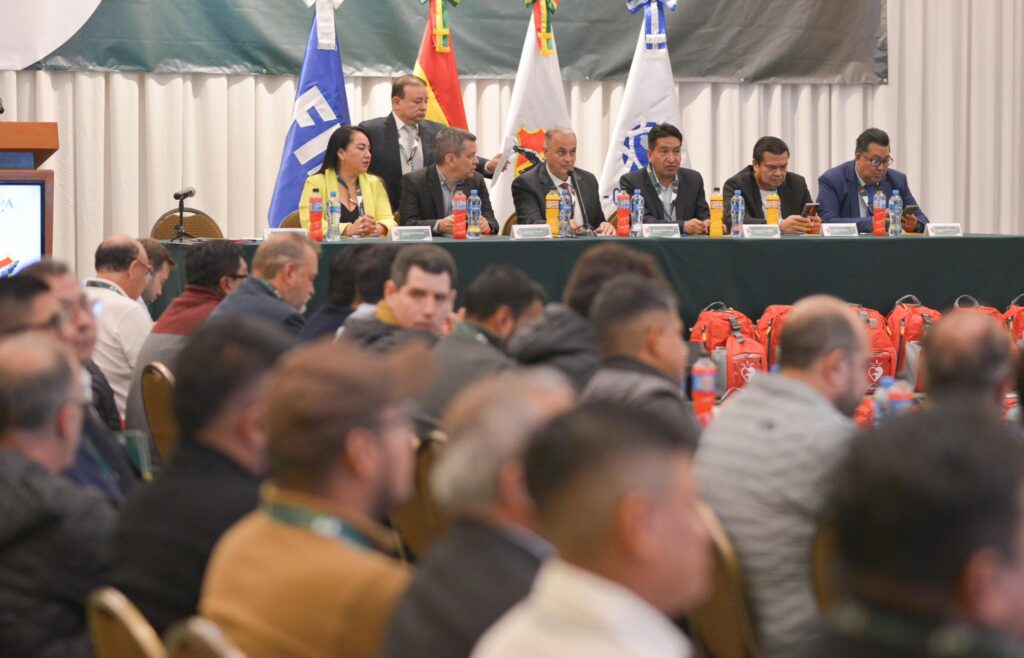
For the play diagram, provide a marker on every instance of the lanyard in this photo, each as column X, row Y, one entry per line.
column 406, row 155
column 106, row 285
column 670, row 209
column 359, row 194
column 266, row 284
column 318, row 523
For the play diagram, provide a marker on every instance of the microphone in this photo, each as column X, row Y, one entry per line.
column 529, row 154
column 185, row 193
column 587, row 228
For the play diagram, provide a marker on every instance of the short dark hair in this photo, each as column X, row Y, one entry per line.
column 769, row 144
column 339, row 141
column 812, row 337
column 341, row 284
column 46, row 268
column 32, row 395
column 429, row 258
column 622, row 301
column 399, row 86
column 871, row 136
column 501, row 285
column 599, row 265
column 115, row 256
column 451, row 140
column 961, row 368
column 915, row 498
column 17, row 295
column 157, row 253
column 221, row 359
column 373, row 271
column 660, row 131
column 207, row 262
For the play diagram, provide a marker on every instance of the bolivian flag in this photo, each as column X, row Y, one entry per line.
column 436, row 65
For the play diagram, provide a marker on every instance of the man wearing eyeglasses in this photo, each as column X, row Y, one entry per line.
column 846, row 192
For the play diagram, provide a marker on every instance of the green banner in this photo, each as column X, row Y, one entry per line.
column 798, row 41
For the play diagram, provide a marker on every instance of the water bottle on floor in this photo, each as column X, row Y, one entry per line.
column 702, row 389
column 883, row 406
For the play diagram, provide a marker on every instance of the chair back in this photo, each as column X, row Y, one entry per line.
column 118, row 629
column 157, row 392
column 420, row 520
column 291, row 220
column 196, row 637
column 823, row 568
column 197, row 222
column 723, row 624
column 509, row 223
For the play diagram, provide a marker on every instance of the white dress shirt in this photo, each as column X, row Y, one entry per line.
column 403, row 153
column 577, row 215
column 121, row 328
column 572, row 612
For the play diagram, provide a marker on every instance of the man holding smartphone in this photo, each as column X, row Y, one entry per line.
column 769, row 173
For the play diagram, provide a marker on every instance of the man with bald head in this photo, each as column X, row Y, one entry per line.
column 122, row 273
column 766, row 462
column 559, row 172
column 968, row 358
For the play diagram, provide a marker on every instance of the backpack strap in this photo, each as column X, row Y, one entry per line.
column 1017, row 299
column 966, row 301
column 734, row 327
column 716, row 306
column 913, row 300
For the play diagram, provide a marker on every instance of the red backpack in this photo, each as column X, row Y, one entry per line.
column 728, row 336
column 908, row 322
column 769, row 330
column 883, row 356
column 968, row 304
column 1014, row 318
column 713, row 326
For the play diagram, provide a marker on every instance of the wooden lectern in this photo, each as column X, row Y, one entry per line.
column 23, row 148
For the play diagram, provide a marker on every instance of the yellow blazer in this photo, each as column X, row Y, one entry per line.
column 375, row 198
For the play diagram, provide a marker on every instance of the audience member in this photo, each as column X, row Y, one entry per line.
column 928, row 517
column 308, row 574
column 342, row 297
column 616, row 495
column 418, row 300
column 284, row 270
column 122, row 273
column 52, row 531
column 215, row 268
column 486, row 563
column 768, row 460
column 164, row 537
column 498, row 303
column 644, row 353
column 372, row 272
column 162, row 263
column 561, row 336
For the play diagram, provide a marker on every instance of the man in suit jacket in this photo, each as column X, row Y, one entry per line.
column 679, row 195
column 403, row 141
column 560, row 172
column 769, row 173
column 487, row 562
column 427, row 193
column 846, row 192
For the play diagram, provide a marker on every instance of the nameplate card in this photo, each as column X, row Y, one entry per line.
column 660, row 231
column 839, row 230
column 944, row 230
column 411, row 234
column 761, row 231
column 531, row 232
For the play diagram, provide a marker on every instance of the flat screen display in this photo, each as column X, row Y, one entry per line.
column 22, row 241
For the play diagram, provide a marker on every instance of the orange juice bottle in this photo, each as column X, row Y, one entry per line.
column 772, row 209
column 551, row 202
column 717, row 227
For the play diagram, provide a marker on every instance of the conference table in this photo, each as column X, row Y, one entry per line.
column 747, row 274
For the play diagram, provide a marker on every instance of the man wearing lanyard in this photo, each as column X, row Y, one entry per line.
column 770, row 173
column 310, row 572
column 672, row 193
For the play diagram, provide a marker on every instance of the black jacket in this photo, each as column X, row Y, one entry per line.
column 253, row 298
column 530, row 189
column 423, row 202
column 376, row 336
column 793, row 194
column 52, row 534
column 101, row 462
column 324, row 321
column 163, row 540
column 561, row 338
column 690, row 202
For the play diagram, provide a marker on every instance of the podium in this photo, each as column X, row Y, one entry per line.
column 26, row 192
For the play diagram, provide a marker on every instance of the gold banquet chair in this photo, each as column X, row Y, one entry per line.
column 118, row 629
column 196, row 637
column 823, row 567
column 197, row 222
column 723, row 624
column 157, row 394
column 512, row 220
column 291, row 220
column 420, row 520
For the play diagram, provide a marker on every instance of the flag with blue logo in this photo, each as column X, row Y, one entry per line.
column 321, row 105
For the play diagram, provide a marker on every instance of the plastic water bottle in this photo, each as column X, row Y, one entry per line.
column 717, row 227
column 316, row 215
column 895, row 214
column 622, row 213
column 702, row 389
column 881, row 212
column 564, row 214
column 901, row 397
column 333, row 218
column 883, row 405
column 459, row 214
column 738, row 209
column 636, row 214
column 473, row 212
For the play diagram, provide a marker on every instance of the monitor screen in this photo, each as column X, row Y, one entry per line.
column 22, row 241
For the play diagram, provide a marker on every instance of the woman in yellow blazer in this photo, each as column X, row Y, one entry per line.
column 365, row 208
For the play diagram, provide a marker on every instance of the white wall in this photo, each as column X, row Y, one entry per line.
column 954, row 109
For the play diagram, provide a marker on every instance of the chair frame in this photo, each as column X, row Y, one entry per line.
column 192, row 224
column 162, row 442
column 197, row 637
column 110, row 605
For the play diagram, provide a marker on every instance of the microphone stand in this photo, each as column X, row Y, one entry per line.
column 179, row 231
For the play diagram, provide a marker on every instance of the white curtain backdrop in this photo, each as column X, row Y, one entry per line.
column 954, row 107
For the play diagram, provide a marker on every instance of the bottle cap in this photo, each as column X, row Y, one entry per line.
column 737, row 193
column 718, row 189
column 334, row 193
column 316, row 189
column 636, row 191
column 887, row 381
column 895, row 191
column 472, row 192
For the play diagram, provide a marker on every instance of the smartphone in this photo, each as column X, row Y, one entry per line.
column 911, row 210
column 810, row 209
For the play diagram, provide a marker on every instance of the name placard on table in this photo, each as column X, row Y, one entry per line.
column 943, row 230
column 761, row 231
column 839, row 230
column 660, row 230
column 411, row 234
column 531, row 232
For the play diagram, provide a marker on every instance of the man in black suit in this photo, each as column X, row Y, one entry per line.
column 403, row 141
column 487, row 562
column 769, row 173
column 427, row 193
column 560, row 172
column 672, row 194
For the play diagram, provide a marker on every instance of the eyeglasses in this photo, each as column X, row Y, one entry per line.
column 150, row 272
column 238, row 276
column 876, row 162
column 55, row 323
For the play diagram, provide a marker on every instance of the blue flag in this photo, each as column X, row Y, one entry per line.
column 321, row 105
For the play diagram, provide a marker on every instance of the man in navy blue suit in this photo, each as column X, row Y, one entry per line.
column 845, row 192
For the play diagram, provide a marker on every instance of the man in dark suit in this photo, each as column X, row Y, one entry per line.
column 427, row 193
column 560, row 172
column 769, row 173
column 403, row 141
column 846, row 192
column 487, row 562
column 672, row 194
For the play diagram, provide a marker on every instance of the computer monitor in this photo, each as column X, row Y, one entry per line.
column 24, row 204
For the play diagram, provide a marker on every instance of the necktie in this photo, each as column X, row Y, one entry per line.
column 412, row 149
column 572, row 201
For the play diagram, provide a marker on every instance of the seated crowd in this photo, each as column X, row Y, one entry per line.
column 577, row 506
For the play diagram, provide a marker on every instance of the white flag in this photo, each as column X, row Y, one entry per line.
column 538, row 103
column 649, row 99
